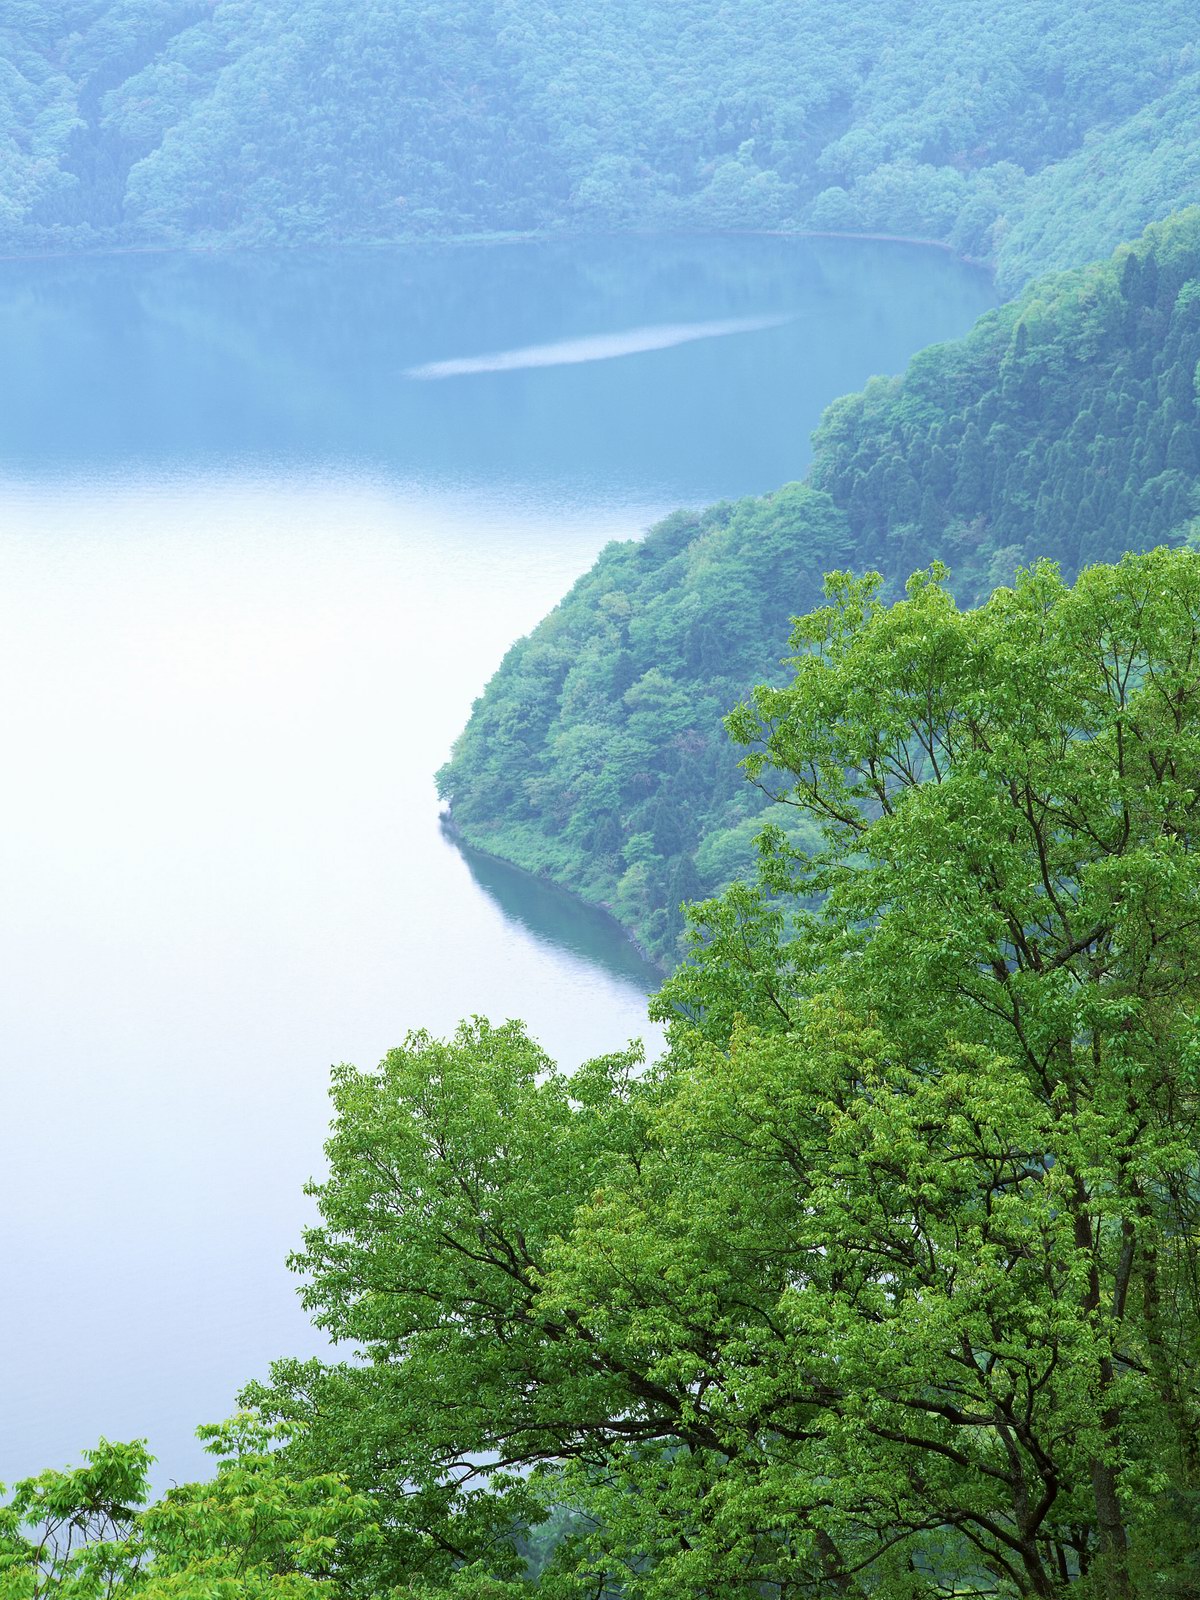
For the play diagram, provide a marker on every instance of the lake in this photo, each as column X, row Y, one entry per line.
column 267, row 524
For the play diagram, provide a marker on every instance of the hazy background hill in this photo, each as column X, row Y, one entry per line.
column 1037, row 134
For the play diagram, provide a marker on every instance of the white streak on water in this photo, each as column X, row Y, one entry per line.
column 595, row 347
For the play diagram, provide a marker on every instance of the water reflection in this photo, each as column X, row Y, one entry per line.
column 299, row 356
column 555, row 918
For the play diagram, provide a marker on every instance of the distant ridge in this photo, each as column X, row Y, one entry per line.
column 1031, row 136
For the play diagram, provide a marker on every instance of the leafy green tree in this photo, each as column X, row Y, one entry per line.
column 1009, row 804
column 883, row 1282
column 252, row 1533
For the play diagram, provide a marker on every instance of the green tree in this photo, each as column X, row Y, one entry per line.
column 883, row 1282
column 252, row 1533
column 1009, row 801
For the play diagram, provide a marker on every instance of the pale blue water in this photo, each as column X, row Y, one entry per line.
column 251, row 576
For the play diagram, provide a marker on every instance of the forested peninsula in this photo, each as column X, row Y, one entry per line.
column 1033, row 136
column 1063, row 426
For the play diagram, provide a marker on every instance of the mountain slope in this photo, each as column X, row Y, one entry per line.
column 1064, row 425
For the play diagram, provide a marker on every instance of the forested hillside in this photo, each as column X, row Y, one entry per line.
column 1038, row 134
column 1063, row 426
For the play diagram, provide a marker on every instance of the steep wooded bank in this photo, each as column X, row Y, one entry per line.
column 1064, row 426
column 1037, row 135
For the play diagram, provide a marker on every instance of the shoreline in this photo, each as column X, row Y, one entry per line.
column 441, row 240
column 460, row 841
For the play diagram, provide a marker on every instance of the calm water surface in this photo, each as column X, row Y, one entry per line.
column 266, row 526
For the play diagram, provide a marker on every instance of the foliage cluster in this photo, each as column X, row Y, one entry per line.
column 1064, row 425
column 597, row 756
column 256, row 1531
column 256, row 120
column 883, row 1283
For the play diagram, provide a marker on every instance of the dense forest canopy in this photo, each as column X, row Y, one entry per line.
column 848, row 1295
column 1037, row 134
column 1064, row 425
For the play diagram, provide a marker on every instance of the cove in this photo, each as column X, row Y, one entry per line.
column 251, row 577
